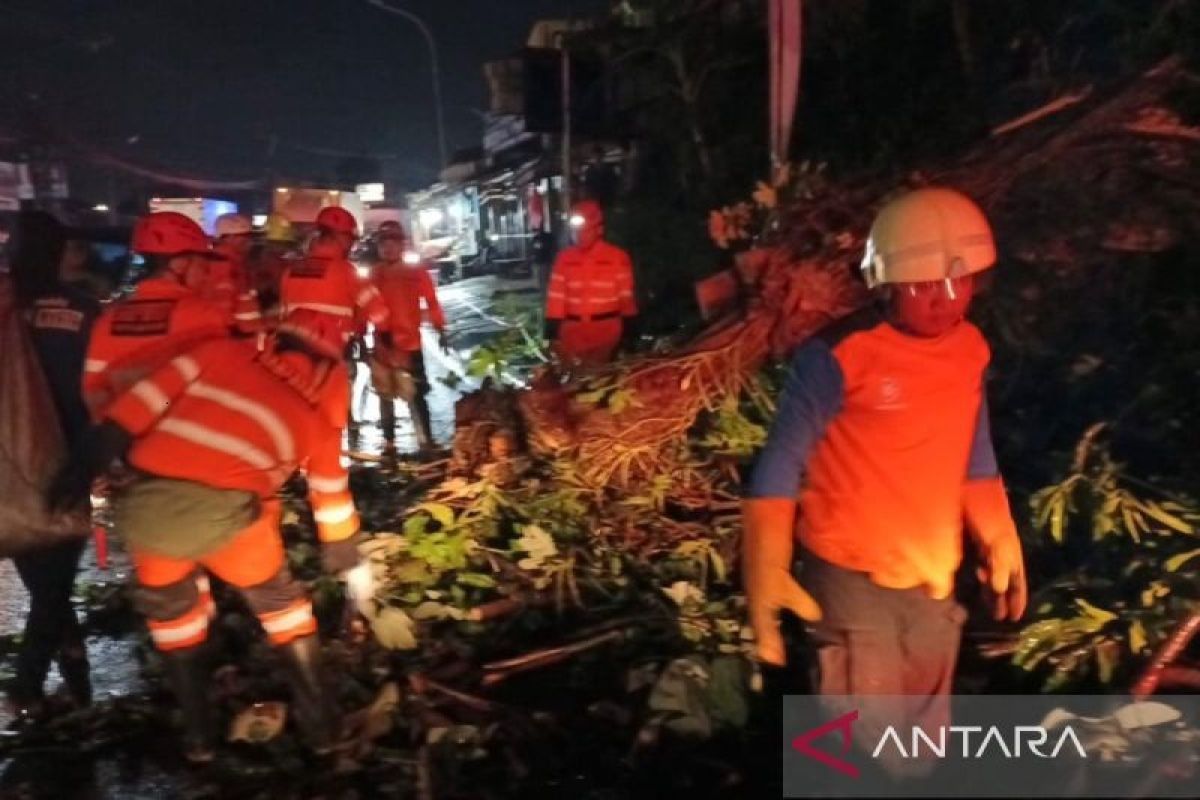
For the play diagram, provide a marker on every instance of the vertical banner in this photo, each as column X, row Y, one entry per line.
column 783, row 29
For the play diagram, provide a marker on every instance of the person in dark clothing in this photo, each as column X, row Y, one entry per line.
column 60, row 318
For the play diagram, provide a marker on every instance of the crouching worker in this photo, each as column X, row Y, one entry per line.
column 214, row 433
column 879, row 454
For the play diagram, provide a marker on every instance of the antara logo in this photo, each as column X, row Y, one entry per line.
column 802, row 744
column 957, row 740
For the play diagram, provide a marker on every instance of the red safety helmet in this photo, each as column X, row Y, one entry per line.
column 391, row 229
column 586, row 212
column 169, row 233
column 321, row 333
column 337, row 220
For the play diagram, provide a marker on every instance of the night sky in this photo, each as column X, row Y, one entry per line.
column 201, row 86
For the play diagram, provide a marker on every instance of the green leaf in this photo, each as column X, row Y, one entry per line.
column 593, row 397
column 476, row 579
column 1094, row 613
column 622, row 399
column 1170, row 520
column 1108, row 653
column 1137, row 637
column 415, row 525
column 441, row 513
column 1058, row 518
column 394, row 629
column 1174, row 563
column 726, row 692
column 718, row 564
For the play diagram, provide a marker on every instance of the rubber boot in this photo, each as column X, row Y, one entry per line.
column 187, row 674
column 387, row 421
column 314, row 712
column 419, row 408
column 75, row 671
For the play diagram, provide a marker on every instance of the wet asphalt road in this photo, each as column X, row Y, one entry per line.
column 115, row 670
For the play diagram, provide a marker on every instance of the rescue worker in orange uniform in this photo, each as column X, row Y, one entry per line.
column 214, row 434
column 326, row 282
column 398, row 370
column 880, row 454
column 590, row 303
column 228, row 280
column 164, row 316
column 277, row 253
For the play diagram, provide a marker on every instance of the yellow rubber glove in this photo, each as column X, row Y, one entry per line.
column 767, row 574
column 990, row 523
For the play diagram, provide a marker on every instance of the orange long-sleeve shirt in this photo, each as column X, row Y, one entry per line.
column 404, row 289
column 329, row 284
column 585, row 284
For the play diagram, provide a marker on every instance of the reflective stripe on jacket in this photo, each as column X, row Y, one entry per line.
column 135, row 336
column 223, row 416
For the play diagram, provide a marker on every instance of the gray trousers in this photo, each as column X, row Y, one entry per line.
column 895, row 643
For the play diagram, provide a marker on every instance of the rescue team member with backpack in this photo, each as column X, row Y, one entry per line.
column 879, row 452
column 214, row 434
column 164, row 316
column 590, row 302
column 228, row 280
column 325, row 281
column 59, row 318
column 398, row 371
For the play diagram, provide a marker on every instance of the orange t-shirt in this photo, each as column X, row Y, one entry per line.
column 876, row 434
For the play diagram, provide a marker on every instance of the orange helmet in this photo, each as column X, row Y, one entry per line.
column 337, row 220
column 321, row 333
column 391, row 230
column 169, row 233
column 586, row 212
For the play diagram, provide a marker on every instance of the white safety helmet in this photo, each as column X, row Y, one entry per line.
column 931, row 234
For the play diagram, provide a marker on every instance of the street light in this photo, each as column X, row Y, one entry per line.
column 434, row 69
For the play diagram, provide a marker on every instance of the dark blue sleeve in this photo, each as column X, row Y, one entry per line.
column 983, row 455
column 811, row 397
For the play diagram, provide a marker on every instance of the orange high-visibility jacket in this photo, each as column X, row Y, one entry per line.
column 135, row 336
column 403, row 289
column 227, row 288
column 226, row 416
column 586, row 284
column 330, row 285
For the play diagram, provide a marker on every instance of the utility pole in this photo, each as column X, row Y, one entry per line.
column 434, row 69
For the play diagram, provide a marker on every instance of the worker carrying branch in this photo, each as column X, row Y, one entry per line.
column 213, row 435
column 879, row 453
column 590, row 302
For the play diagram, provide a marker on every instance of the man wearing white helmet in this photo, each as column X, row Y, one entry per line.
column 879, row 458
column 228, row 282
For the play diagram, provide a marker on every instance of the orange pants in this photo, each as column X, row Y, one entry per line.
column 590, row 341
column 172, row 592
